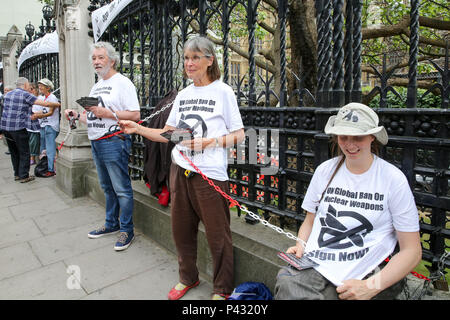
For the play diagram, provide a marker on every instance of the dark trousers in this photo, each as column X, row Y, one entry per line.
column 194, row 200
column 20, row 152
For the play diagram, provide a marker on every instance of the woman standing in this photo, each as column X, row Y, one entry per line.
column 359, row 207
column 209, row 108
column 49, row 122
column 33, row 127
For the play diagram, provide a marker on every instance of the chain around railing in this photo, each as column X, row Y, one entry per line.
column 121, row 131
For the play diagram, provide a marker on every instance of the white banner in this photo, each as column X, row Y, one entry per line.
column 102, row 17
column 47, row 44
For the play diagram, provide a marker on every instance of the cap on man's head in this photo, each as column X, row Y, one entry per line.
column 47, row 83
column 356, row 119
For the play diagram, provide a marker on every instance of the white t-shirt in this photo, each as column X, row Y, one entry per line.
column 35, row 109
column 213, row 112
column 355, row 223
column 53, row 120
column 118, row 93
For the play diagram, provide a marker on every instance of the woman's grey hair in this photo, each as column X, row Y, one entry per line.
column 111, row 52
column 20, row 82
column 205, row 46
column 201, row 44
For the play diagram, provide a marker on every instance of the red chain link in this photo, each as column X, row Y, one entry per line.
column 211, row 183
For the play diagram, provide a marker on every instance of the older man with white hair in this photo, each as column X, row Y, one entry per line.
column 17, row 108
column 111, row 150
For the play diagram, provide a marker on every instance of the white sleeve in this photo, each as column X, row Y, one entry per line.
column 402, row 206
column 316, row 187
column 129, row 99
column 171, row 120
column 232, row 114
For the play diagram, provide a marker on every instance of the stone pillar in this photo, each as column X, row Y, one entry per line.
column 77, row 78
column 9, row 50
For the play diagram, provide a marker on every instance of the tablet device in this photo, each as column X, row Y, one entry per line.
column 178, row 135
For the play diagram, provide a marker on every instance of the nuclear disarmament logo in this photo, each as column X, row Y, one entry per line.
column 351, row 116
column 336, row 235
column 198, row 124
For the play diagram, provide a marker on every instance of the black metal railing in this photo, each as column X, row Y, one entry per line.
column 43, row 65
column 149, row 36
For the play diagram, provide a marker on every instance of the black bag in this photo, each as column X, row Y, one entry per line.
column 41, row 167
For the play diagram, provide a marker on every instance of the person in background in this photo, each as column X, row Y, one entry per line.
column 359, row 208
column 2, row 101
column 49, row 123
column 111, row 151
column 209, row 108
column 16, row 111
column 33, row 127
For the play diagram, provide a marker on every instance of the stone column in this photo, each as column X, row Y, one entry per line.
column 77, row 78
column 12, row 42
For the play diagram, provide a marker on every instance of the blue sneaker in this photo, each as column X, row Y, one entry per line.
column 101, row 232
column 124, row 241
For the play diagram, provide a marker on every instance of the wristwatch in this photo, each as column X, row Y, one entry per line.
column 217, row 142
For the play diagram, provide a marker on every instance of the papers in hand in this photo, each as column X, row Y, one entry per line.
column 87, row 102
column 298, row 263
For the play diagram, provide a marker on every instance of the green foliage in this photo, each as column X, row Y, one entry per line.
column 238, row 19
column 391, row 12
column 428, row 101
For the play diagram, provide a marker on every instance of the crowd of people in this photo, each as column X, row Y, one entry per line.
column 360, row 209
column 21, row 107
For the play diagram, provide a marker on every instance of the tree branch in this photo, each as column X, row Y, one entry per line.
column 237, row 49
column 402, row 27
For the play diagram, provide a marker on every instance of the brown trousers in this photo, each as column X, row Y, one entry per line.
column 194, row 200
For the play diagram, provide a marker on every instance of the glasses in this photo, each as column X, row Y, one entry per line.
column 194, row 59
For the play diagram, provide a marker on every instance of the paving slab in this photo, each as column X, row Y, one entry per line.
column 117, row 266
column 7, row 200
column 48, row 282
column 6, row 216
column 71, row 218
column 17, row 259
column 18, row 232
column 36, row 195
column 65, row 244
column 37, row 208
column 153, row 284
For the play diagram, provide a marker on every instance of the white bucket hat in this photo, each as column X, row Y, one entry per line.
column 47, row 83
column 356, row 119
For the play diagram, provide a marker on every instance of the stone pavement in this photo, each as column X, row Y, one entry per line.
column 44, row 249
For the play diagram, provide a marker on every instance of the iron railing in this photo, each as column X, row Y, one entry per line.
column 41, row 66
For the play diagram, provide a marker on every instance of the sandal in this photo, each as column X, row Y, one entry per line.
column 27, row 179
column 180, row 290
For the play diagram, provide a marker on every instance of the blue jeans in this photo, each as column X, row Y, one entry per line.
column 50, row 146
column 42, row 140
column 111, row 159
